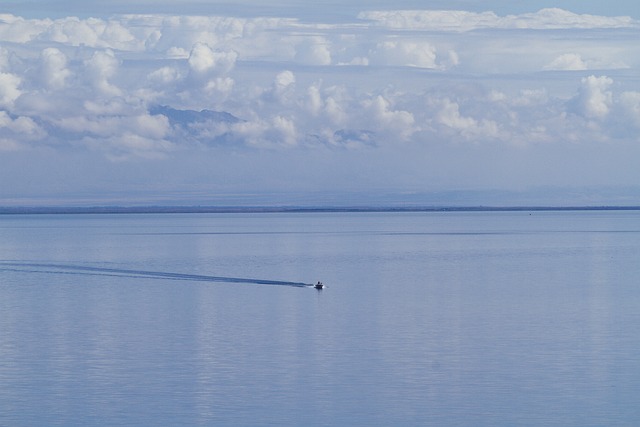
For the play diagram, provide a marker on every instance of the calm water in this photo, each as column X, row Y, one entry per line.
column 429, row 319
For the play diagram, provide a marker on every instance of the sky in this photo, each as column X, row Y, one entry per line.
column 332, row 103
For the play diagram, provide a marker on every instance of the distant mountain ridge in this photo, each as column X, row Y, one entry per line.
column 185, row 117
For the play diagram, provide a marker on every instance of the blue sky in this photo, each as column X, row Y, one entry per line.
column 335, row 102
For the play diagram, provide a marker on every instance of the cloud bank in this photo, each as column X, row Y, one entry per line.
column 149, row 87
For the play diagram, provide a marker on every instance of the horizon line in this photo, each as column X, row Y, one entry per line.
column 167, row 209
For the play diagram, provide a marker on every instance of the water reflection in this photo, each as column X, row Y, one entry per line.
column 456, row 324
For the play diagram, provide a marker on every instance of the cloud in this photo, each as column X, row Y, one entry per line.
column 425, row 99
column 18, row 132
column 4, row 59
column 164, row 76
column 313, row 51
column 315, row 103
column 285, row 130
column 267, row 133
column 567, row 62
column 92, row 32
column 219, row 86
column 100, row 69
column 9, row 89
column 468, row 127
column 575, row 62
column 23, row 126
column 283, row 88
column 390, row 77
column 206, row 61
column 594, row 98
column 121, row 137
column 16, row 29
column 385, row 119
column 630, row 104
column 284, row 80
column 404, row 53
column 457, row 20
column 54, row 71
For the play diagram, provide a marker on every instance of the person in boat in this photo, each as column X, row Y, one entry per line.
column 319, row 285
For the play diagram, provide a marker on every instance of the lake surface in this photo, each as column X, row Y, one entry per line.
column 428, row 319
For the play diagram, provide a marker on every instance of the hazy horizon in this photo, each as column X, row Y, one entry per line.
column 540, row 197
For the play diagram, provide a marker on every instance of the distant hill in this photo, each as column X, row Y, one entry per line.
column 186, row 117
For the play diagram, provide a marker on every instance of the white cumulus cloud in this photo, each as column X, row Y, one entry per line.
column 313, row 51
column 203, row 59
column 458, row 20
column 385, row 118
column 630, row 104
column 54, row 69
column 449, row 115
column 100, row 69
column 404, row 53
column 568, row 62
column 594, row 98
column 9, row 89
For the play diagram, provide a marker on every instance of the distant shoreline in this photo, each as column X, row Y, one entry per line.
column 291, row 209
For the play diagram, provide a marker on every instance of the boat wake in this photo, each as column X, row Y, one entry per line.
column 52, row 268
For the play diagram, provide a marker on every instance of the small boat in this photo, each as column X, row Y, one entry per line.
column 318, row 285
